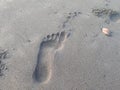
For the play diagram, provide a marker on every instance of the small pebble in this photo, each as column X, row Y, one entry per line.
column 106, row 31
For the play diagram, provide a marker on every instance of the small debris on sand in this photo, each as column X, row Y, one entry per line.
column 106, row 31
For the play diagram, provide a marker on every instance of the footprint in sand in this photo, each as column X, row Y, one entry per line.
column 48, row 48
column 69, row 17
column 106, row 13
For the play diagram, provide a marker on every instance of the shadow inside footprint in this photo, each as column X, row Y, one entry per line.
column 36, row 76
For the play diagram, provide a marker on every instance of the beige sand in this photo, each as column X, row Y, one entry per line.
column 89, row 60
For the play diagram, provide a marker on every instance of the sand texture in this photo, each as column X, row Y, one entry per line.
column 59, row 45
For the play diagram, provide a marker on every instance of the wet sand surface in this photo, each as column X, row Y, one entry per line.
column 89, row 60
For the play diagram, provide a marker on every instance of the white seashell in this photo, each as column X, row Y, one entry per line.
column 106, row 31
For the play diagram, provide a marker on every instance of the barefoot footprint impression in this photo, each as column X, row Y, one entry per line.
column 48, row 48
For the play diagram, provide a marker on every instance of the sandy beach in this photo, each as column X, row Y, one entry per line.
column 59, row 45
